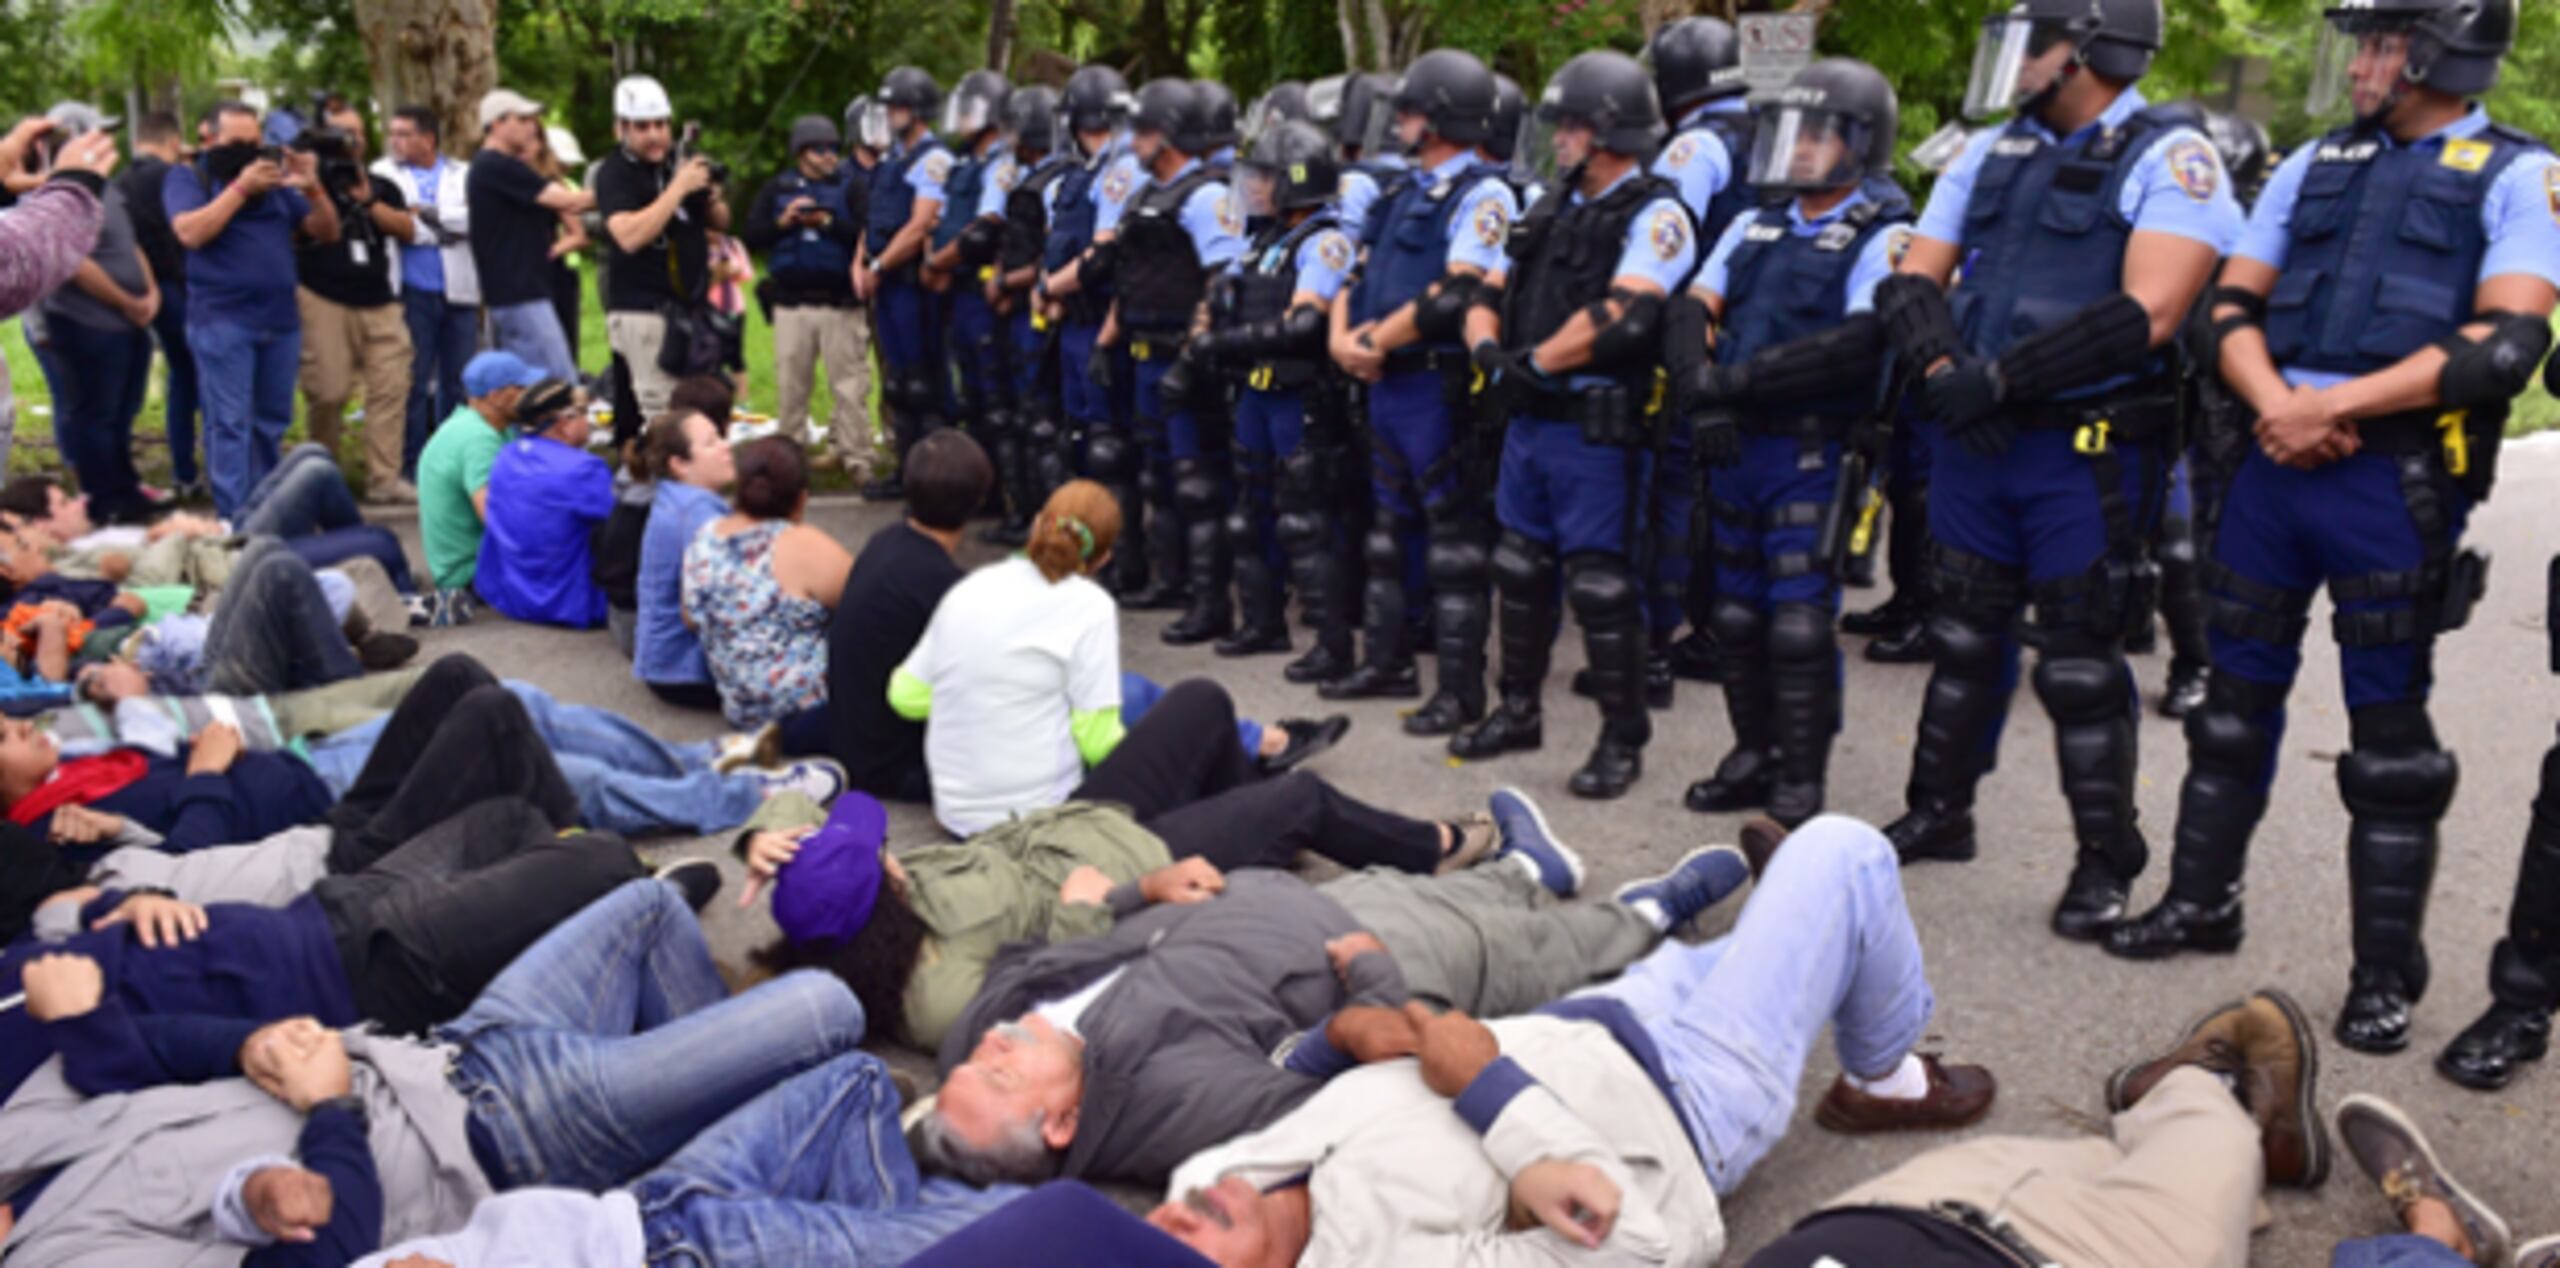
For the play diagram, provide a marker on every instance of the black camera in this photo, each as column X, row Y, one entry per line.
column 689, row 146
column 335, row 153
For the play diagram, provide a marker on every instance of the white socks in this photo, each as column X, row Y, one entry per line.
column 1651, row 910
column 1909, row 1081
column 1529, row 865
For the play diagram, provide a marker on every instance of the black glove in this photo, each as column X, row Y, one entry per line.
column 1711, row 385
column 1499, row 377
column 1179, row 382
column 1715, row 436
column 1209, row 347
column 1097, row 368
column 1966, row 399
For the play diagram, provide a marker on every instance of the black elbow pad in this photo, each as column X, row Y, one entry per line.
column 1440, row 316
column 2107, row 338
column 1634, row 339
column 1818, row 364
column 1303, row 332
column 979, row 240
column 1487, row 299
column 1100, row 261
column 2493, row 371
column 1685, row 322
column 1917, row 319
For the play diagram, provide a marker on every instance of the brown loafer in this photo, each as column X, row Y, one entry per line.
column 1959, row 1095
column 1761, row 837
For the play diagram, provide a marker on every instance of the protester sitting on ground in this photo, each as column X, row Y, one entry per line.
column 1017, row 677
column 913, row 932
column 896, row 583
column 619, row 543
column 759, row 586
column 405, row 940
column 688, row 462
column 453, row 472
column 558, row 1075
column 2448, row 1226
column 1118, row 1056
column 545, row 498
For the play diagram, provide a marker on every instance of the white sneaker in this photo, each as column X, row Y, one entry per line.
column 819, row 779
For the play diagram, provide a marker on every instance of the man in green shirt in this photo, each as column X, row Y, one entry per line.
column 453, row 473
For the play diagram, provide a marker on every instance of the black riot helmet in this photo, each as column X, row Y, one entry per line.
column 1285, row 101
column 1031, row 114
column 1219, row 101
column 2455, row 46
column 1172, row 109
column 2248, row 153
column 1832, row 127
column 1510, row 119
column 976, row 104
column 1354, row 106
column 909, row 88
column 1097, row 99
column 1610, row 92
column 2113, row 38
column 1453, row 90
column 1696, row 60
column 1291, row 167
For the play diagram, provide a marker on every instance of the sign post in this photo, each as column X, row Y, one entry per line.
column 1774, row 47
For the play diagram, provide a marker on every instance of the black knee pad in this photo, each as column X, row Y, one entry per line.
column 1736, row 623
column 1967, row 645
column 1520, row 564
column 2226, row 736
column 1195, row 490
column 1454, row 560
column 1112, row 457
column 1601, row 590
column 1385, row 553
column 1239, row 527
column 2081, row 688
column 1800, row 632
column 1044, row 431
column 2395, row 769
column 1299, row 531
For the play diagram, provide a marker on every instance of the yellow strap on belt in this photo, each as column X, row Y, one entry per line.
column 2457, row 443
column 2091, row 438
column 1040, row 323
column 1138, row 350
column 1864, row 535
column 987, row 274
column 1260, row 379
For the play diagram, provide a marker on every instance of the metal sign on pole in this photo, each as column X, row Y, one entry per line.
column 1774, row 47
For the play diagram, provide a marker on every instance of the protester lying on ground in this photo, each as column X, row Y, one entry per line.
column 278, row 626
column 453, row 471
column 27, row 576
column 545, row 499
column 913, row 932
column 561, row 1073
column 688, row 463
column 759, row 586
column 2448, row 1226
column 404, row 940
column 1616, row 1119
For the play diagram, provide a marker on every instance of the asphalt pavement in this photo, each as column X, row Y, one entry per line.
column 2051, row 1018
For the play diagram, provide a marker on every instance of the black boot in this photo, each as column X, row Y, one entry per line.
column 2085, row 687
column 1261, row 605
column 2185, row 691
column 1607, row 604
column 1888, row 617
column 1695, row 657
column 1118, row 465
column 2219, row 805
column 1200, row 502
column 1956, row 715
column 2182, row 610
column 1741, row 781
column 1524, row 573
column 2524, row 972
column 2396, row 784
column 1388, row 671
column 1908, row 645
column 2492, row 1051
column 1461, row 621
column 1321, row 664
column 1804, row 678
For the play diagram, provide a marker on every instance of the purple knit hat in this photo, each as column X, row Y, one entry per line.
column 825, row 893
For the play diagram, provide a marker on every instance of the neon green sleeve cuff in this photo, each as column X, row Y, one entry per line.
column 910, row 696
column 1097, row 732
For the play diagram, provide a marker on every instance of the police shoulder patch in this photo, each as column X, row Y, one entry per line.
column 1230, row 216
column 1008, row 174
column 1334, row 250
column 1115, row 185
column 2196, row 168
column 1682, row 150
column 1491, row 223
column 937, row 167
column 1668, row 230
column 2551, row 187
column 1897, row 243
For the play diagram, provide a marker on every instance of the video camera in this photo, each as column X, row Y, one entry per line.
column 335, row 154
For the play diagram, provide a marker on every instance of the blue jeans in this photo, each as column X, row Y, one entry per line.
column 182, row 399
column 1139, row 693
column 531, row 330
column 2399, row 1250
column 814, row 1171
column 1824, row 941
column 304, row 493
column 442, row 337
column 612, row 1041
column 99, row 379
column 247, row 377
column 627, row 780
column 274, row 629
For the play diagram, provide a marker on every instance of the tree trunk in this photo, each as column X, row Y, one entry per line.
column 999, row 34
column 442, row 54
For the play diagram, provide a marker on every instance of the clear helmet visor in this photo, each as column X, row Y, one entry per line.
column 967, row 114
column 2343, row 40
column 1379, row 136
column 1257, row 191
column 1324, row 100
column 1998, row 61
column 872, row 126
column 1805, row 150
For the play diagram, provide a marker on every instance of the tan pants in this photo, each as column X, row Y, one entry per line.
column 2177, row 1185
column 637, row 338
column 341, row 345
column 805, row 336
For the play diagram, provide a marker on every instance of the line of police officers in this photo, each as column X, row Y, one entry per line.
column 1658, row 356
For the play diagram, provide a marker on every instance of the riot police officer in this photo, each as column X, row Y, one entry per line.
column 1084, row 208
column 1000, row 255
column 1697, row 71
column 2088, row 225
column 2391, row 297
column 1278, row 104
column 1269, row 331
column 1570, row 333
column 973, row 196
column 906, row 203
column 1220, row 101
column 1792, row 372
column 1373, row 158
column 1179, row 231
column 1398, row 329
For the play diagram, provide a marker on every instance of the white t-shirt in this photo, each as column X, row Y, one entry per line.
column 1067, row 1014
column 1011, row 658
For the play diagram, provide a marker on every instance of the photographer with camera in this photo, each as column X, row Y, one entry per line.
column 93, row 337
column 439, row 288
column 659, row 202
column 353, row 326
column 515, row 220
column 808, row 222
column 237, row 209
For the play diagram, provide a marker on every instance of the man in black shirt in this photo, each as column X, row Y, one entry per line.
column 157, row 145
column 658, row 214
column 352, row 323
column 806, row 222
column 515, row 220
column 889, row 597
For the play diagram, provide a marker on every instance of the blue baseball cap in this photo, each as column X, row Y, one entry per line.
column 826, row 892
column 493, row 370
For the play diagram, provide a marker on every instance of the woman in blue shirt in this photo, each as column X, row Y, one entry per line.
column 690, row 460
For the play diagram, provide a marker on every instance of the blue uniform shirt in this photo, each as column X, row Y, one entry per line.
column 1003, row 173
column 1698, row 162
column 1324, row 264
column 1478, row 233
column 1359, row 192
column 2179, row 186
column 2521, row 213
column 1875, row 260
column 926, row 178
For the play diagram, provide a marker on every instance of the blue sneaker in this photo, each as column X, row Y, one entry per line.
column 1525, row 836
column 1702, row 878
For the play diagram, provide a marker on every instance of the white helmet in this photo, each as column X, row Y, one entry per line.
column 641, row 98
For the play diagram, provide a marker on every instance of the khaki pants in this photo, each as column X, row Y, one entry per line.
column 341, row 345
column 2177, row 1185
column 803, row 337
column 637, row 338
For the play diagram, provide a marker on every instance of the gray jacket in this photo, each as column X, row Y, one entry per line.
column 1185, row 1050
column 140, row 1170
